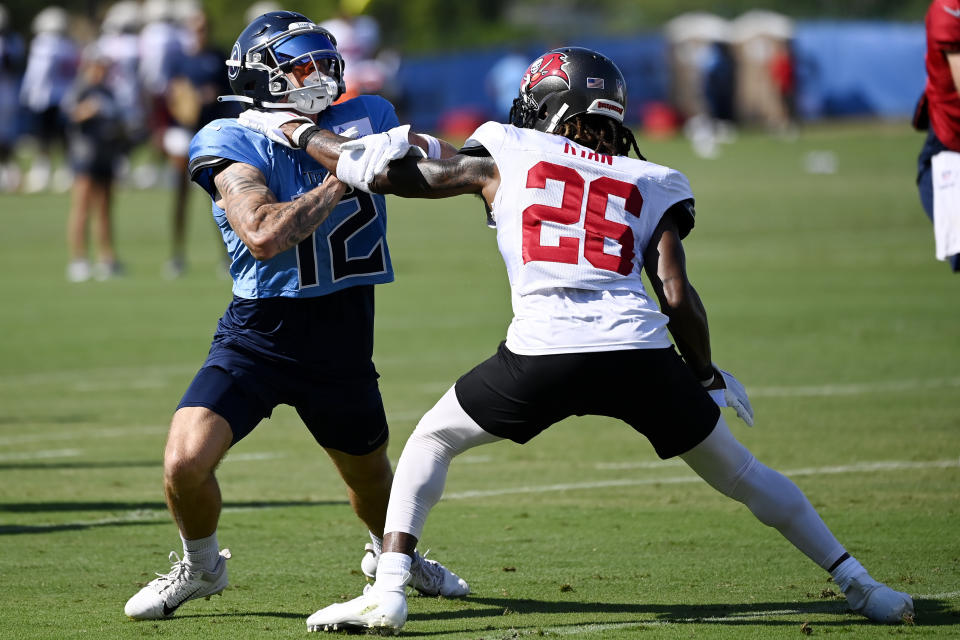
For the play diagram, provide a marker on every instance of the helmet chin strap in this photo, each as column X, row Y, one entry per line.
column 255, row 103
column 556, row 118
column 317, row 93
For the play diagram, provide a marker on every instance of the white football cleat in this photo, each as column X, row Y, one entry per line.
column 375, row 609
column 431, row 578
column 368, row 564
column 878, row 602
column 161, row 597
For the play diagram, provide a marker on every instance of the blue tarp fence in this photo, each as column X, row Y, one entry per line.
column 863, row 68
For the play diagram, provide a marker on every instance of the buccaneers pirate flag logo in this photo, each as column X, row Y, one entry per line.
column 549, row 65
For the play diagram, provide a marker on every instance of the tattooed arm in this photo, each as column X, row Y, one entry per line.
column 452, row 175
column 412, row 178
column 266, row 226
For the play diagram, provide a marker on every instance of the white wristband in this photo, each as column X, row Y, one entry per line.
column 433, row 146
column 297, row 134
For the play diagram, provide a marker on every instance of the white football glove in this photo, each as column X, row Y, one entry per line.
column 269, row 122
column 733, row 395
column 362, row 159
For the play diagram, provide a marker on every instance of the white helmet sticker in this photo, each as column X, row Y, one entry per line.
column 607, row 108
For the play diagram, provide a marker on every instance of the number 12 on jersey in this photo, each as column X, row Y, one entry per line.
column 596, row 227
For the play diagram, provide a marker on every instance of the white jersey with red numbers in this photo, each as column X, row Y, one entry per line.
column 572, row 227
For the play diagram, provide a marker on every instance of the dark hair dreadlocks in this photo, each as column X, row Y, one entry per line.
column 600, row 133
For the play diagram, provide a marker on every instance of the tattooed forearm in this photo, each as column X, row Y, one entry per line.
column 298, row 219
column 265, row 226
column 436, row 178
column 241, row 183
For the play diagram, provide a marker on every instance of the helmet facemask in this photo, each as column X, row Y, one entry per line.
column 311, row 93
column 282, row 59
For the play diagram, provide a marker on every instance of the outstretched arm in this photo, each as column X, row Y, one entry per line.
column 417, row 178
column 412, row 178
column 266, row 226
column 451, row 174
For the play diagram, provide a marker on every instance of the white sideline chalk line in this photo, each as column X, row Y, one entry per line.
column 404, row 416
column 852, row 388
column 70, row 453
column 81, row 434
column 127, row 376
column 253, row 456
column 77, row 376
column 40, row 455
column 650, row 464
column 837, row 607
column 160, row 515
column 633, row 482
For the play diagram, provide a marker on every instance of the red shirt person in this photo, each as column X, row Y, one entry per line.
column 939, row 107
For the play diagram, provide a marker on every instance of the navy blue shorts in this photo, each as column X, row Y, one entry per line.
column 516, row 397
column 314, row 355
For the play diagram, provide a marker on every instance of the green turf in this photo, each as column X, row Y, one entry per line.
column 824, row 298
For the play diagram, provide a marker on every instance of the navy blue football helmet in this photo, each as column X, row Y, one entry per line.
column 271, row 48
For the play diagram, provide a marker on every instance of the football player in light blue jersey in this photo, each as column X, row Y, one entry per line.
column 347, row 249
column 305, row 252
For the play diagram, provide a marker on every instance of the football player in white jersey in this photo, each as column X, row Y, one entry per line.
column 576, row 222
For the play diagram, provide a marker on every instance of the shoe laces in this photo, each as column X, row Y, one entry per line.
column 428, row 573
column 179, row 573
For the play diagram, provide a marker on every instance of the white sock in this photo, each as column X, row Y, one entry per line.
column 377, row 544
column 201, row 552
column 846, row 572
column 393, row 571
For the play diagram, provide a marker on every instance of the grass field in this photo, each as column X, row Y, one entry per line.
column 824, row 298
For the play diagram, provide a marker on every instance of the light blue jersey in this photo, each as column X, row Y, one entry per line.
column 348, row 249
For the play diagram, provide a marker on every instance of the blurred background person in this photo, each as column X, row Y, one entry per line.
column 162, row 43
column 257, row 9
column 119, row 41
column 939, row 113
column 761, row 42
column 701, row 75
column 366, row 69
column 197, row 78
column 51, row 68
column 12, row 58
column 719, row 82
column 94, row 126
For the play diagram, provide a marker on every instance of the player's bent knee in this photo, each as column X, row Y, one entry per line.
column 198, row 440
column 184, row 470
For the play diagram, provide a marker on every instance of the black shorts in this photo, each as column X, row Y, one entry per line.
column 516, row 397
column 92, row 158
